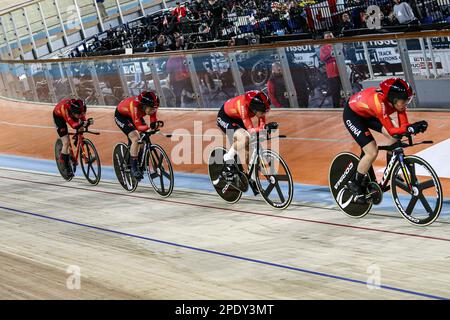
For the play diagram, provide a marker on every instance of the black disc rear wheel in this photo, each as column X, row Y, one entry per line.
column 223, row 188
column 60, row 165
column 343, row 169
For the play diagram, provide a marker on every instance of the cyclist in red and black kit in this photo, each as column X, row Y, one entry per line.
column 72, row 112
column 129, row 117
column 235, row 120
column 371, row 109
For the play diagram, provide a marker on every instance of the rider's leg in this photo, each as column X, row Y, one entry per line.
column 65, row 146
column 370, row 154
column 240, row 143
column 65, row 154
column 133, row 136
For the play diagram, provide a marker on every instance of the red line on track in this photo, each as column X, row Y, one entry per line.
column 234, row 210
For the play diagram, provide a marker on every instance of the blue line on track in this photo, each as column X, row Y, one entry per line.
column 218, row 253
column 302, row 192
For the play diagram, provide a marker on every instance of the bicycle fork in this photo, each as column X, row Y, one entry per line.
column 405, row 171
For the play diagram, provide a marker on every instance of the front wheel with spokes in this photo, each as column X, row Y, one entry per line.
column 159, row 170
column 274, row 180
column 90, row 162
column 416, row 191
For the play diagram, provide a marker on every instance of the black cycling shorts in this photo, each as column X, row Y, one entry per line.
column 61, row 125
column 125, row 123
column 227, row 124
column 359, row 126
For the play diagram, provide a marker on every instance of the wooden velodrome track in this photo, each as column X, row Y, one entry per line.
column 192, row 246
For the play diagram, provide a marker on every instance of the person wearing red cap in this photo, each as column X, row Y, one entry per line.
column 371, row 109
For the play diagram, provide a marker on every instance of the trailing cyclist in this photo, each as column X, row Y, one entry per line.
column 371, row 109
column 235, row 120
column 72, row 112
column 129, row 117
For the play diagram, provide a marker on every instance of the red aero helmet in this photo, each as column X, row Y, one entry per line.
column 259, row 102
column 148, row 99
column 77, row 106
column 396, row 88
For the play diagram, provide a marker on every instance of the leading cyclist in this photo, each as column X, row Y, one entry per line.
column 371, row 109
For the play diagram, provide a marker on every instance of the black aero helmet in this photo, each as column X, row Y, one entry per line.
column 148, row 99
column 259, row 102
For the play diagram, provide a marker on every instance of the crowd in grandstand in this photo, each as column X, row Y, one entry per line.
column 219, row 19
column 199, row 21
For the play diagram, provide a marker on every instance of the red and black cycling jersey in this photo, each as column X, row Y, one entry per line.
column 238, row 108
column 131, row 107
column 370, row 103
column 62, row 110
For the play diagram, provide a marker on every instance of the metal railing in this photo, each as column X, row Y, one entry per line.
column 46, row 28
column 207, row 78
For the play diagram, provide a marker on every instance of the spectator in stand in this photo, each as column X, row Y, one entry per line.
column 178, row 77
column 357, row 15
column 102, row 9
column 179, row 41
column 215, row 13
column 404, row 13
column 161, row 44
column 179, row 12
column 205, row 32
column 295, row 13
column 276, row 87
column 346, row 24
column 334, row 82
column 197, row 8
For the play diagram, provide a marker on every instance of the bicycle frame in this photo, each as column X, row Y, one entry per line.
column 254, row 156
column 257, row 152
column 80, row 144
column 145, row 139
column 398, row 155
